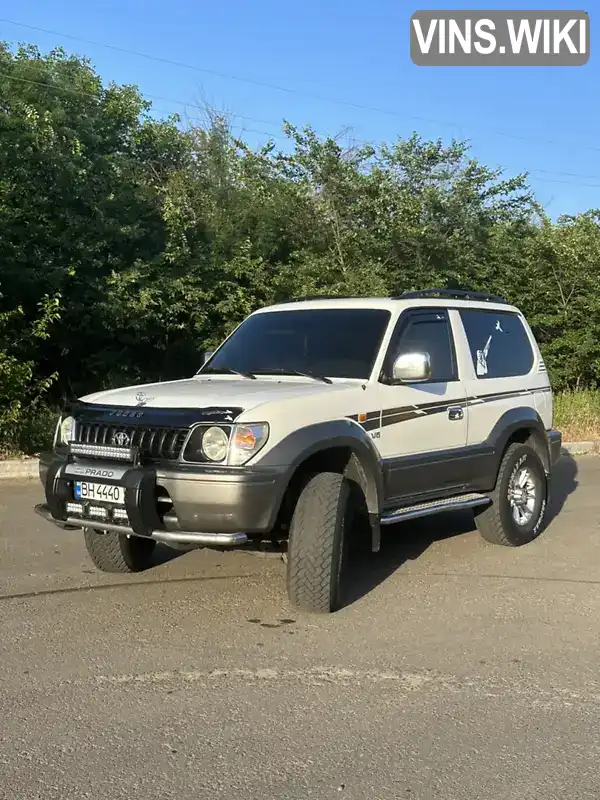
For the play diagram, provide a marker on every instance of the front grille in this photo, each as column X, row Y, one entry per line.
column 162, row 444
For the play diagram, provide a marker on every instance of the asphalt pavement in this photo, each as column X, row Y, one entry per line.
column 457, row 670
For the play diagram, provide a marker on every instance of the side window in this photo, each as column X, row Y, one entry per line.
column 499, row 344
column 428, row 332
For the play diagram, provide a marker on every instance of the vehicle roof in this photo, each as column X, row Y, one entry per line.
column 389, row 304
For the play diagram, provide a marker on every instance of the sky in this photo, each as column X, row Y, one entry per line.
column 340, row 66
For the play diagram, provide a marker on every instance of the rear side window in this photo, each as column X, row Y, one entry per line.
column 500, row 346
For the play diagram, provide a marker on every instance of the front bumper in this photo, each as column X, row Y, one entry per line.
column 207, row 506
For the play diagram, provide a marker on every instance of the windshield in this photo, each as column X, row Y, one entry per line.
column 331, row 342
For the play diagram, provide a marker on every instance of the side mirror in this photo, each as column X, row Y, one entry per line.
column 412, row 368
column 208, row 354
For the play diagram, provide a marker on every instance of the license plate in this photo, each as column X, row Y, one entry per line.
column 100, row 491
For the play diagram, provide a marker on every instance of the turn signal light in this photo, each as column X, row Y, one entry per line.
column 244, row 438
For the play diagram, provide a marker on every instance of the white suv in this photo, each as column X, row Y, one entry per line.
column 311, row 417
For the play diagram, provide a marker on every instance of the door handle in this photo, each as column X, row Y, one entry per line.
column 455, row 412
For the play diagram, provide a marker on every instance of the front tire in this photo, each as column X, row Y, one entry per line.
column 115, row 552
column 519, row 501
column 317, row 543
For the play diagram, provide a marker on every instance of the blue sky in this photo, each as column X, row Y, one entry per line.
column 544, row 120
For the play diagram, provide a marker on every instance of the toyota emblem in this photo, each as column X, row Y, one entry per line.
column 142, row 398
column 121, row 439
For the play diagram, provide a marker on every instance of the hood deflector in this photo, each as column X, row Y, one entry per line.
column 154, row 417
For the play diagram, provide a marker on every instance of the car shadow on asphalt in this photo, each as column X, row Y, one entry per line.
column 408, row 541
column 405, row 541
column 564, row 482
column 163, row 554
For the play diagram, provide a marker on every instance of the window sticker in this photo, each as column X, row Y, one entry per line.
column 482, row 367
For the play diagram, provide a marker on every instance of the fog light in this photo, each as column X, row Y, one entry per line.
column 97, row 511
column 74, row 508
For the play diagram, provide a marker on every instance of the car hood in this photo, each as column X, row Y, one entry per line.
column 201, row 392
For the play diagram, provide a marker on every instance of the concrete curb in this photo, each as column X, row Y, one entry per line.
column 27, row 468
column 19, row 469
column 581, row 448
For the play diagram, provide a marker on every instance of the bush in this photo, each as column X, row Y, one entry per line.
column 33, row 434
column 24, row 416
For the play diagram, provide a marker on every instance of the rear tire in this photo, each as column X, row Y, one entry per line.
column 519, row 501
column 115, row 552
column 317, row 543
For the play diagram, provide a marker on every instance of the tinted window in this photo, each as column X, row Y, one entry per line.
column 499, row 344
column 429, row 333
column 334, row 342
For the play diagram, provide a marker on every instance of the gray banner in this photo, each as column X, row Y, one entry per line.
column 500, row 38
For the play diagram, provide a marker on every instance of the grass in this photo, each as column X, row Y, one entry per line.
column 577, row 415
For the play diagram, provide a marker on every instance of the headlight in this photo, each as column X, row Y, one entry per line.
column 65, row 430
column 246, row 441
column 214, row 444
column 233, row 445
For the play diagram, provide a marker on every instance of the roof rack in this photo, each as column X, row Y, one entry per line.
column 455, row 294
column 321, row 297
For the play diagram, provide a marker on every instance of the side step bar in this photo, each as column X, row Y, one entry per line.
column 168, row 537
column 456, row 503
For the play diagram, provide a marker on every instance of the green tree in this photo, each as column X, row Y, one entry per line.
column 81, row 168
column 159, row 240
column 563, row 298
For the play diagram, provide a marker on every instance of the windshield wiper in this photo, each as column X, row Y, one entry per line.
column 320, row 378
column 227, row 371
